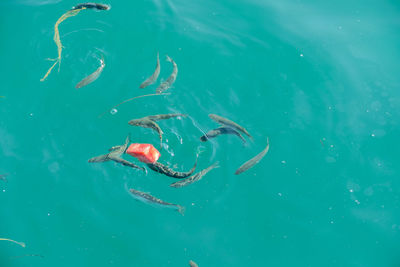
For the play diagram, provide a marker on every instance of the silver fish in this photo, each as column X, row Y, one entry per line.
column 115, row 155
column 144, row 197
column 253, row 161
column 226, row 122
column 150, row 122
column 196, row 177
column 153, row 77
column 193, row 264
column 92, row 77
column 171, row 79
column 219, row 131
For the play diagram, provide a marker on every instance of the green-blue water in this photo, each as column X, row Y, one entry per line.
column 319, row 78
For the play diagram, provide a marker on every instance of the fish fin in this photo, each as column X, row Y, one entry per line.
column 168, row 58
column 181, row 210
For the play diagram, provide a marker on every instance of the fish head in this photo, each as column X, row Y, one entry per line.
column 203, row 138
column 135, row 122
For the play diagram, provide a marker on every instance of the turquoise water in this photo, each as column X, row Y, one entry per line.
column 319, row 79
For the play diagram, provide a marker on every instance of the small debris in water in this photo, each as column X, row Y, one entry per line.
column 301, row 55
column 373, row 135
column 113, row 111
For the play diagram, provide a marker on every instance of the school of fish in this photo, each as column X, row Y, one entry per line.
column 116, row 153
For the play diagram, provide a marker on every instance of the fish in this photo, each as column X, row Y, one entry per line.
column 219, row 131
column 3, row 177
column 196, row 177
column 253, row 161
column 22, row 244
column 92, row 6
column 226, row 122
column 161, row 168
column 171, row 79
column 92, row 77
column 115, row 155
column 193, row 264
column 154, row 76
column 150, row 122
column 145, row 197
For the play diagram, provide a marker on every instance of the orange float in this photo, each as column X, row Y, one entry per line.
column 146, row 153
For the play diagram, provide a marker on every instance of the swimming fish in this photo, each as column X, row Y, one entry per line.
column 253, row 161
column 115, row 155
column 22, row 244
column 193, row 264
column 70, row 13
column 226, row 122
column 150, row 122
column 161, row 168
column 196, row 177
column 144, row 197
column 92, row 6
column 3, row 177
column 154, row 76
column 92, row 77
column 171, row 79
column 219, row 131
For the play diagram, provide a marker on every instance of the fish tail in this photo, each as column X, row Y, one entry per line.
column 216, row 165
column 181, row 210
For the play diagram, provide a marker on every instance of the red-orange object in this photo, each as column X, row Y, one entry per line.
column 146, row 153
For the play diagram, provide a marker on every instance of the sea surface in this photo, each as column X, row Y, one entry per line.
column 319, row 79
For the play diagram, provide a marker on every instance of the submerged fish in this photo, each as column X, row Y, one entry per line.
column 92, row 77
column 150, row 122
column 195, row 177
column 226, row 122
column 253, row 161
column 154, row 76
column 3, row 177
column 219, row 131
column 92, row 6
column 171, row 79
column 115, row 155
column 161, row 168
column 144, row 197
column 193, row 264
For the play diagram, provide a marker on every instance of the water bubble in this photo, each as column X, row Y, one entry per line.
column 113, row 111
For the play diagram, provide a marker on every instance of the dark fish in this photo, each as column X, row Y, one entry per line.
column 92, row 77
column 171, row 79
column 144, row 197
column 150, row 122
column 115, row 155
column 3, row 177
column 153, row 77
column 226, row 122
column 251, row 162
column 161, row 168
column 196, row 177
column 219, row 131
column 92, row 6
column 193, row 264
